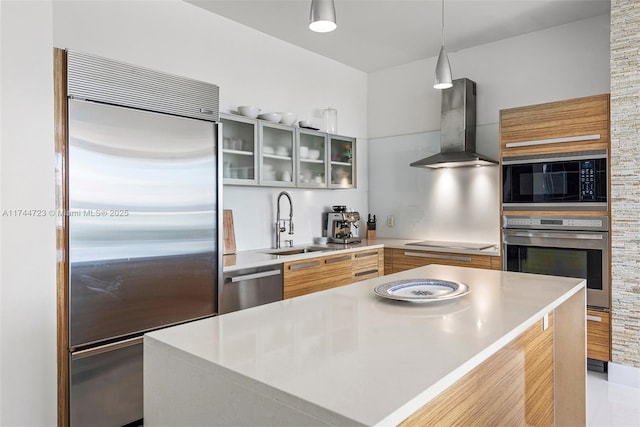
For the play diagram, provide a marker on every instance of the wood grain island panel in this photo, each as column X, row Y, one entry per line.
column 513, row 387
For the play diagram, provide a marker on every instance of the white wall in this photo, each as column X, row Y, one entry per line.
column 563, row 62
column 443, row 204
column 27, row 279
column 251, row 68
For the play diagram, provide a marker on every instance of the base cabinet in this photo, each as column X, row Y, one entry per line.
column 316, row 274
column 326, row 272
column 405, row 259
column 367, row 264
column 598, row 335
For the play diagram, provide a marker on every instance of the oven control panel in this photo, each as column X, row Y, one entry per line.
column 587, row 180
column 556, row 222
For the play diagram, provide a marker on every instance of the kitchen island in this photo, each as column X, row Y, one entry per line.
column 511, row 352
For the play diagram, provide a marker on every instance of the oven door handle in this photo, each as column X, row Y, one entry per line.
column 562, row 235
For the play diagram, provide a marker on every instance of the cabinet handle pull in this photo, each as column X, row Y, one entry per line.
column 553, row 140
column 366, row 273
column 365, row 254
column 594, row 318
column 554, row 235
column 332, row 260
column 304, row 265
column 435, row 256
column 106, row 348
column 255, row 276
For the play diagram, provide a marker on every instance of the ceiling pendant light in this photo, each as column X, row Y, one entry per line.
column 322, row 17
column 443, row 68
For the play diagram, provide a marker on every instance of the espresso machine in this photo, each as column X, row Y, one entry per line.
column 341, row 226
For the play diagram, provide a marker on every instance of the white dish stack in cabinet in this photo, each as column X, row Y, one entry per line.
column 258, row 152
column 239, row 148
column 313, row 155
column 277, row 144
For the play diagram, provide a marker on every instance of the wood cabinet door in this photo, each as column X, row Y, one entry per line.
column 571, row 125
column 367, row 264
column 388, row 261
column 598, row 332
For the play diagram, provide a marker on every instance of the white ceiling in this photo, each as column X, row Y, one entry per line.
column 377, row 34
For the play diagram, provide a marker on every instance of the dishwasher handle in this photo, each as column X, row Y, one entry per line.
column 259, row 275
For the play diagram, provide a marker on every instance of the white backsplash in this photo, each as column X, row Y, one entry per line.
column 254, row 213
column 254, row 208
column 457, row 204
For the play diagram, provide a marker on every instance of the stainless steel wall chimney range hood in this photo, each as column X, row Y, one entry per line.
column 457, row 130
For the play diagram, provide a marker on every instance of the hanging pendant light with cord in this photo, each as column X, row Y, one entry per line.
column 322, row 17
column 443, row 78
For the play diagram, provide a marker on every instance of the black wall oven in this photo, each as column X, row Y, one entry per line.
column 565, row 181
column 560, row 246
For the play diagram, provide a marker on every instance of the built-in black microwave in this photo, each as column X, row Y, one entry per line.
column 565, row 181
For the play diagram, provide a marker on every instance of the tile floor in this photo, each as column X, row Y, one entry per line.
column 609, row 404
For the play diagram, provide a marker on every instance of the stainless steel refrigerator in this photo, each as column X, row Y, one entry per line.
column 144, row 216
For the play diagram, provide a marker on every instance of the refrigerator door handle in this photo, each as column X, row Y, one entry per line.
column 106, row 348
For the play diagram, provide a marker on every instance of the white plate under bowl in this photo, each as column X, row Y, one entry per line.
column 422, row 290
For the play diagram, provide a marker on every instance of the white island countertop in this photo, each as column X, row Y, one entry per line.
column 347, row 356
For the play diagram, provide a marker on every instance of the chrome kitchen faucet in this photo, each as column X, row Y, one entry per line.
column 280, row 223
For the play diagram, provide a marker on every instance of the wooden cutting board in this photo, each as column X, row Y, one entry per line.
column 228, row 232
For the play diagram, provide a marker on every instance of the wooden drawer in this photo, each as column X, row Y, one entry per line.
column 366, row 264
column 598, row 332
column 406, row 259
column 575, row 125
column 316, row 274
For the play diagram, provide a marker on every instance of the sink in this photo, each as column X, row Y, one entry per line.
column 296, row 251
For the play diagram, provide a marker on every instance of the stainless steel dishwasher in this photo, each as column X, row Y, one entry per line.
column 250, row 287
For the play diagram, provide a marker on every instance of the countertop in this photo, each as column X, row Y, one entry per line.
column 347, row 356
column 262, row 257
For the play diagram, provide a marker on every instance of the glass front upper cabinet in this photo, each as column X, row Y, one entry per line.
column 313, row 154
column 342, row 154
column 277, row 154
column 239, row 143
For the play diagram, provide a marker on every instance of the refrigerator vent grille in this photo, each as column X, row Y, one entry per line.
column 104, row 80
